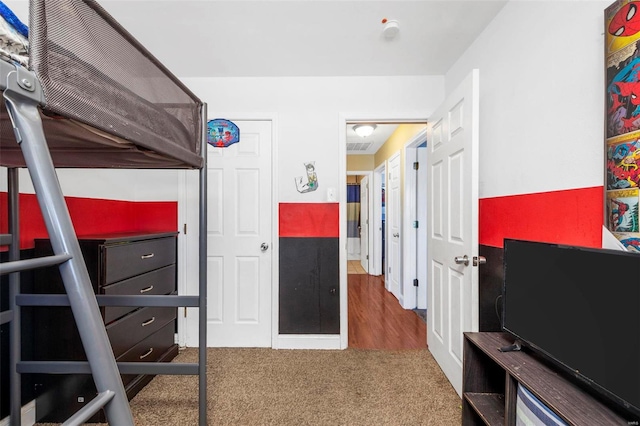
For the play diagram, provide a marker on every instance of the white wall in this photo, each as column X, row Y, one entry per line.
column 308, row 111
column 110, row 184
column 541, row 97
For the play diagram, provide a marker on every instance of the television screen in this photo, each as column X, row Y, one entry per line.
column 579, row 307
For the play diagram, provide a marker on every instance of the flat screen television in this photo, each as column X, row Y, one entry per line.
column 579, row 308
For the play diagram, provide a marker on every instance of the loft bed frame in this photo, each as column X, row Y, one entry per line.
column 91, row 96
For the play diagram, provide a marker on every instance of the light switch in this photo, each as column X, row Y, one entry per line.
column 331, row 194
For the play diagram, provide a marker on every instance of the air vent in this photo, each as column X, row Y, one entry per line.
column 361, row 146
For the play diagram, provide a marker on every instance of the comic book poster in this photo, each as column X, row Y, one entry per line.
column 623, row 163
column 622, row 120
column 622, row 23
column 623, row 84
column 630, row 241
column 623, row 67
column 622, row 210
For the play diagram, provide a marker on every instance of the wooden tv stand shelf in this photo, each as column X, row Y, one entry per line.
column 490, row 385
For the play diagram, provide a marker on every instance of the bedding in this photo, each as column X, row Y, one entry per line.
column 14, row 44
column 108, row 101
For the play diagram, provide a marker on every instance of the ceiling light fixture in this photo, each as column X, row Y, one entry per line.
column 364, row 130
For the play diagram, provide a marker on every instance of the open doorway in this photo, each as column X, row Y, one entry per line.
column 369, row 173
column 378, row 219
column 452, row 235
column 359, row 226
column 414, row 224
column 389, row 155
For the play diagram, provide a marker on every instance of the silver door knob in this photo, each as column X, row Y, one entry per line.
column 462, row 260
column 264, row 246
column 479, row 260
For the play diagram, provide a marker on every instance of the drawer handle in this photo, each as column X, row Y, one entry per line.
column 147, row 322
column 144, row 290
column 147, row 256
column 143, row 356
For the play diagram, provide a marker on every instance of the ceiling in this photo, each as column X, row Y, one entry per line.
column 287, row 38
column 357, row 145
column 237, row 38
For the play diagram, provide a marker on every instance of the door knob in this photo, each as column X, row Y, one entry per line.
column 264, row 246
column 462, row 260
column 479, row 260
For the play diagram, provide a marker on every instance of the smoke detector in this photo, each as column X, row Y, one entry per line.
column 391, row 28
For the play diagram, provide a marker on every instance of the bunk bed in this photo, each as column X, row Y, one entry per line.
column 86, row 94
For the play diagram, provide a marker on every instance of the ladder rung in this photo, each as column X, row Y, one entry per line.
column 168, row 368
column 38, row 262
column 170, row 301
column 82, row 367
column 6, row 239
column 90, row 409
column 6, row 316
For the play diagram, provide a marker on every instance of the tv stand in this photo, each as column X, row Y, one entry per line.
column 490, row 385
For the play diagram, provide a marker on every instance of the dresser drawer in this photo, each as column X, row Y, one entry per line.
column 127, row 260
column 149, row 350
column 158, row 282
column 135, row 327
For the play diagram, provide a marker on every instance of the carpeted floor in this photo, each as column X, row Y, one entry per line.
column 304, row 387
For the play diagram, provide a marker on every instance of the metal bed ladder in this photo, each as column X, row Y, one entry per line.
column 22, row 95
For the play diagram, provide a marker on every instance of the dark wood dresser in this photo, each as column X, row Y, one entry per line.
column 118, row 265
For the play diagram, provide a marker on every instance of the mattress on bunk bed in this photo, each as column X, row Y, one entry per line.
column 109, row 102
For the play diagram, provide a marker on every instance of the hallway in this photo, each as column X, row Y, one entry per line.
column 376, row 319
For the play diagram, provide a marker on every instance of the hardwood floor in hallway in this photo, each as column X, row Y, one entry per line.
column 376, row 319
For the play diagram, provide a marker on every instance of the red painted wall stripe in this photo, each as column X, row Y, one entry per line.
column 309, row 220
column 91, row 216
column 568, row 217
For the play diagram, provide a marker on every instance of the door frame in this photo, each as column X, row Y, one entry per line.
column 344, row 118
column 409, row 207
column 368, row 174
column 188, row 216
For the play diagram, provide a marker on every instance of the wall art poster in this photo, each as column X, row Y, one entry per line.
column 309, row 184
column 622, row 118
column 221, row 133
column 623, row 163
column 630, row 241
column 622, row 210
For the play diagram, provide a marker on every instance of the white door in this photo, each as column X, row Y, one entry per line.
column 393, row 220
column 452, row 226
column 364, row 223
column 377, row 207
column 239, row 240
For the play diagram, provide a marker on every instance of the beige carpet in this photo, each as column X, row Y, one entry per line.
column 302, row 387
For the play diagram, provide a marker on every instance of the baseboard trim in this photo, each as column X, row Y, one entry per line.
column 307, row 341
column 28, row 415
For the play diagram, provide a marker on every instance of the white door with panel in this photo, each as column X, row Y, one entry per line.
column 394, row 214
column 239, row 239
column 452, row 226
column 364, row 223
